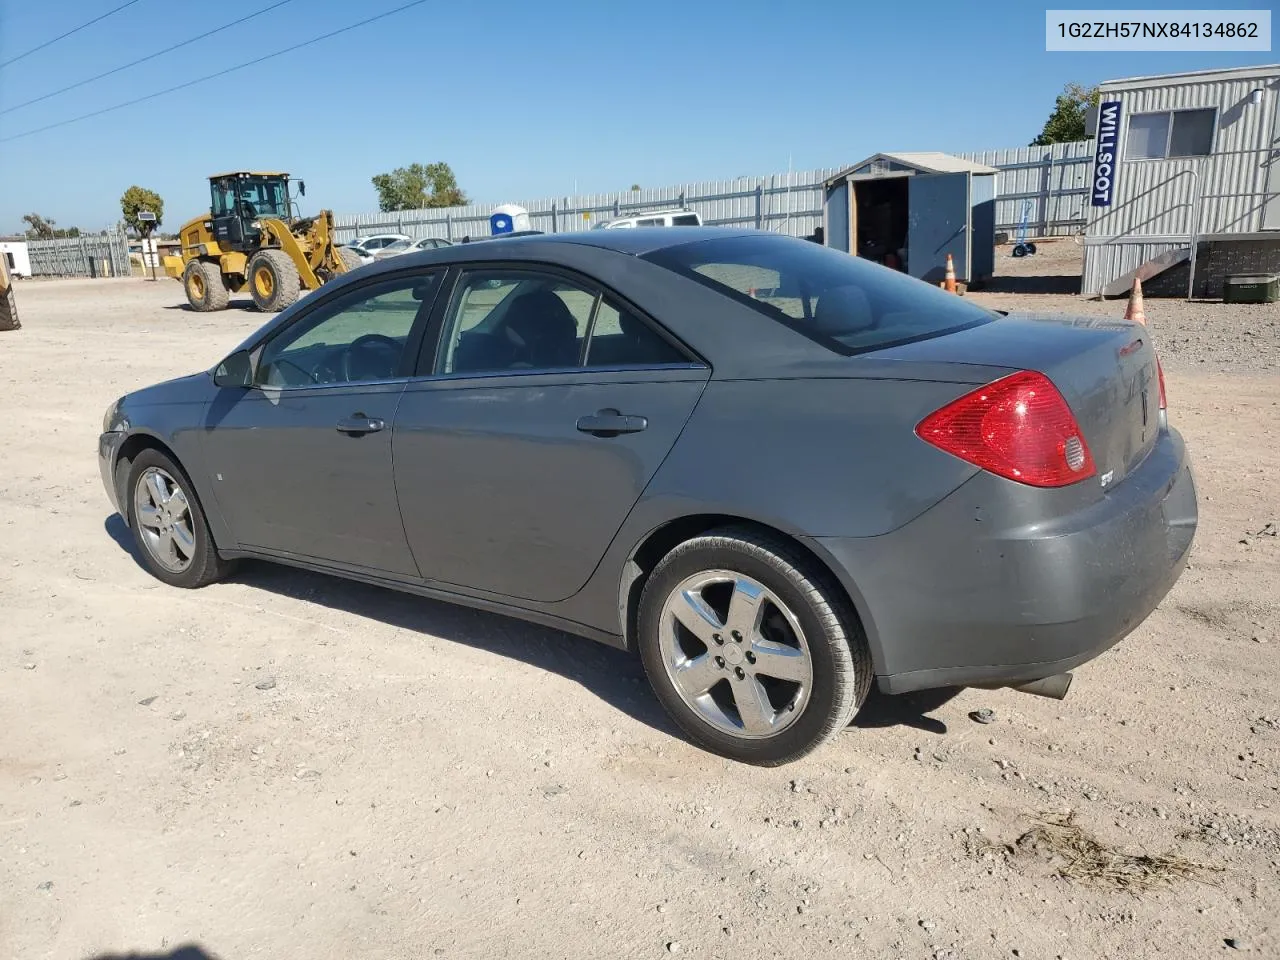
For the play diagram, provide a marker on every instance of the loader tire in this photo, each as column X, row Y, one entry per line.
column 206, row 290
column 350, row 258
column 273, row 280
column 8, row 310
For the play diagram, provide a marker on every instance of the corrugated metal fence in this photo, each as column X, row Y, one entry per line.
column 1046, row 186
column 97, row 255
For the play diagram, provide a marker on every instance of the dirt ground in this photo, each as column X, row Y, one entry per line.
column 288, row 765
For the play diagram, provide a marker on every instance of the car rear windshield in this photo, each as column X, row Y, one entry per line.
column 845, row 303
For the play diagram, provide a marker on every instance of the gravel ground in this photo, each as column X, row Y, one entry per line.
column 289, row 765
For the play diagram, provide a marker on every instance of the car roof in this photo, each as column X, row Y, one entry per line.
column 641, row 240
column 637, row 242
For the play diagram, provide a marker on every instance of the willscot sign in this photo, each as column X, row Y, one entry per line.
column 1105, row 154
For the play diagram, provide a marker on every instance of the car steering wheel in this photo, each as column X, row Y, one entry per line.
column 367, row 340
column 286, row 362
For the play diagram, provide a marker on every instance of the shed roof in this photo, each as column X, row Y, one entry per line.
column 927, row 161
column 1195, row 76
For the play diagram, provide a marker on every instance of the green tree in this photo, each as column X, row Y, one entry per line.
column 635, row 186
column 1066, row 122
column 417, row 186
column 136, row 199
column 39, row 228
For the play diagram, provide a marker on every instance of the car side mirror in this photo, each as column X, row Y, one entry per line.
column 302, row 188
column 235, row 371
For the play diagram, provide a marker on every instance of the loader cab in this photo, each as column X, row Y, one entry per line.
column 240, row 201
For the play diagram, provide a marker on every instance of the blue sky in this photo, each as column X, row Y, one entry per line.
column 523, row 99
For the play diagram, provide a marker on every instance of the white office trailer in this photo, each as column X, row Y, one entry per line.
column 1186, row 176
column 16, row 256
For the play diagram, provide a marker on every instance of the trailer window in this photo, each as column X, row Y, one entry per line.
column 1169, row 134
column 848, row 304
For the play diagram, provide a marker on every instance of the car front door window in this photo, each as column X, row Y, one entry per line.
column 357, row 338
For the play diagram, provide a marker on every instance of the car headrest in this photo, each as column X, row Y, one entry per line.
column 843, row 310
column 544, row 327
column 540, row 315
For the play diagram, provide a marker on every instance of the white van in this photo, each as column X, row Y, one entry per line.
column 654, row 218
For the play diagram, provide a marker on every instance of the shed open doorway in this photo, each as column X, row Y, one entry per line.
column 881, row 220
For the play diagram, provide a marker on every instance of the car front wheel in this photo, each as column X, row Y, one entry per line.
column 168, row 525
column 751, row 648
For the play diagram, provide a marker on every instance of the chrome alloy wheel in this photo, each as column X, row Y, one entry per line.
column 163, row 516
column 736, row 654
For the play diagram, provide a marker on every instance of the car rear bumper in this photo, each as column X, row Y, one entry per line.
column 948, row 601
column 108, row 449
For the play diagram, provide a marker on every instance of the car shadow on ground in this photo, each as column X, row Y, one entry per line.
column 611, row 674
column 905, row 710
column 187, row 952
column 1049, row 283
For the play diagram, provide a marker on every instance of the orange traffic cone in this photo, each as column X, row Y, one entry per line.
column 1135, row 309
column 949, row 279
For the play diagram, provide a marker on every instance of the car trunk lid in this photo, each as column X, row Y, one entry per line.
column 1105, row 369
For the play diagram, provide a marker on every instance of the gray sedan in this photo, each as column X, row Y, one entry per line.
column 778, row 472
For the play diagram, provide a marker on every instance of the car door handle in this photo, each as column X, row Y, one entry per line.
column 610, row 423
column 358, row 424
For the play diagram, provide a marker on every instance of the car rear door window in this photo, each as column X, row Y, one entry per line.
column 846, row 303
column 621, row 338
column 359, row 337
column 514, row 321
column 523, row 321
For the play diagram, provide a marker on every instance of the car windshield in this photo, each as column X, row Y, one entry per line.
column 398, row 245
column 844, row 302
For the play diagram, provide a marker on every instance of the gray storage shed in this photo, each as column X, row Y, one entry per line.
column 911, row 209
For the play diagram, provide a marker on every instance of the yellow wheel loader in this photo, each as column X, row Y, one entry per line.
column 252, row 238
column 8, row 306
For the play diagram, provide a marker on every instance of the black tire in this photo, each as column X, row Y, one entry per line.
column 273, row 280
column 839, row 656
column 350, row 258
column 9, row 310
column 1031, row 248
column 206, row 289
column 1019, row 250
column 204, row 566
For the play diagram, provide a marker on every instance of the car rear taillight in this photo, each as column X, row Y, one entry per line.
column 1164, row 403
column 1018, row 427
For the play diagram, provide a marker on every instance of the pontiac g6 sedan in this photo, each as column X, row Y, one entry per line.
column 776, row 471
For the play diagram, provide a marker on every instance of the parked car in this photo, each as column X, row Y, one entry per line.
column 410, row 246
column 368, row 247
column 653, row 218
column 776, row 471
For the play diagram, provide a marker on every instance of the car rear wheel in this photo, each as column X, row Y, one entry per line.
column 752, row 650
column 168, row 524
